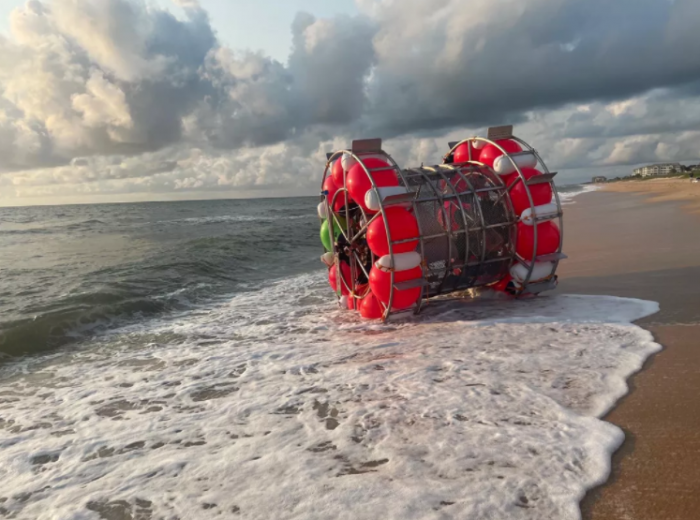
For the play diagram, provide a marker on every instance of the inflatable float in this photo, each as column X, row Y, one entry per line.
column 488, row 216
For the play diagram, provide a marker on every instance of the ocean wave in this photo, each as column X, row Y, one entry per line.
column 39, row 227
column 121, row 272
column 567, row 194
column 474, row 409
column 239, row 218
column 79, row 316
column 137, row 292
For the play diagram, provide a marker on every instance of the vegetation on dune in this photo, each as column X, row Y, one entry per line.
column 675, row 175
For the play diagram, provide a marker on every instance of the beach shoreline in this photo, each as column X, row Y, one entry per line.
column 622, row 245
column 661, row 190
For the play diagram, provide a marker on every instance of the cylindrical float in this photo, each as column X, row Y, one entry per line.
column 485, row 217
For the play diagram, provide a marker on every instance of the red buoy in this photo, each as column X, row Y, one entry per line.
column 541, row 193
column 380, row 282
column 547, row 239
column 370, row 308
column 358, row 183
column 508, row 179
column 332, row 278
column 337, row 172
column 490, row 153
column 461, row 153
column 331, row 187
column 402, row 226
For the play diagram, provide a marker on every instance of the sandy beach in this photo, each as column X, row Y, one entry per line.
column 660, row 190
column 647, row 247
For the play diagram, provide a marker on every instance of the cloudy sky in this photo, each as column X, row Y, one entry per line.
column 118, row 100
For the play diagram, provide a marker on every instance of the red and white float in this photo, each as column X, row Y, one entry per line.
column 485, row 217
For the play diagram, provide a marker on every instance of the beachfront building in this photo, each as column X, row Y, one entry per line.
column 599, row 178
column 658, row 169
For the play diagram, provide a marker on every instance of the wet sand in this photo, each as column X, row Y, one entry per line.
column 659, row 190
column 621, row 245
column 656, row 473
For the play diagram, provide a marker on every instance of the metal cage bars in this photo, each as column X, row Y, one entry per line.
column 357, row 153
column 529, row 264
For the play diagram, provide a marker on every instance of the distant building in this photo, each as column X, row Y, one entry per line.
column 600, row 178
column 658, row 169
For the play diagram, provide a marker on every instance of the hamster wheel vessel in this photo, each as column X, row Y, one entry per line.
column 395, row 238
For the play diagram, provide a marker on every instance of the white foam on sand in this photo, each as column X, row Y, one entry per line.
column 567, row 197
column 277, row 405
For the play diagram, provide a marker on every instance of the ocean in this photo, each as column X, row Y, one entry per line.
column 68, row 272
column 188, row 360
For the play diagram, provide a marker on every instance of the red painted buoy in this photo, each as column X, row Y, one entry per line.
column 402, row 226
column 332, row 273
column 337, row 172
column 380, row 282
column 547, row 239
column 541, row 193
column 358, row 183
column 508, row 179
column 490, row 153
column 370, row 308
column 331, row 187
column 461, row 153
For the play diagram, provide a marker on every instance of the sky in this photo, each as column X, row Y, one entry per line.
column 241, row 24
column 126, row 100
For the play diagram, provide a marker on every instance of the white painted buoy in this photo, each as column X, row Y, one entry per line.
column 375, row 196
column 545, row 211
column 541, row 271
column 402, row 261
column 348, row 161
column 503, row 166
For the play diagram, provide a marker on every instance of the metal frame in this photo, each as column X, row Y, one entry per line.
column 363, row 148
column 505, row 132
column 417, row 181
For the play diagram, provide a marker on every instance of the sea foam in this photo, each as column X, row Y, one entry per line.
column 569, row 193
column 275, row 404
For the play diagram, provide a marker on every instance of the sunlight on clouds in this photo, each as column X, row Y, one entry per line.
column 154, row 104
column 104, row 104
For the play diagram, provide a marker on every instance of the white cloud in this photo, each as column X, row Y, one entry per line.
column 151, row 104
column 103, row 105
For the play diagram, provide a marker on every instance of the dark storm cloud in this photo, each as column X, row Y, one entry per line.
column 106, row 79
column 329, row 63
column 460, row 63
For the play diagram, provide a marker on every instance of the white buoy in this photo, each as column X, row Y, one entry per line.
column 503, row 165
column 402, row 261
column 541, row 213
column 348, row 161
column 375, row 196
column 540, row 271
